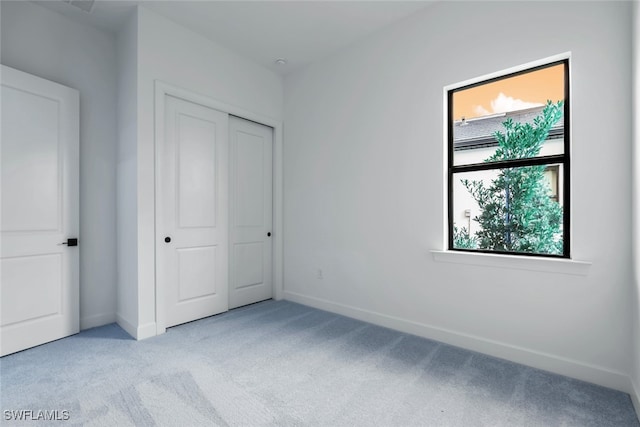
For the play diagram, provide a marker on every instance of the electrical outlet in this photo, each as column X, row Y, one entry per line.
column 319, row 275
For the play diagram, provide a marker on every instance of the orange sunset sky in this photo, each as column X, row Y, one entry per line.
column 513, row 93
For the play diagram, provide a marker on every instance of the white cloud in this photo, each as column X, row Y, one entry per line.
column 481, row 111
column 504, row 104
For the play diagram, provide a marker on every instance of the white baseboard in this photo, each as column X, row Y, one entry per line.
column 635, row 397
column 96, row 320
column 140, row 332
column 147, row 330
column 126, row 325
column 547, row 362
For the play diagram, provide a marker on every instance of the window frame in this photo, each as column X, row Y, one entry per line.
column 564, row 159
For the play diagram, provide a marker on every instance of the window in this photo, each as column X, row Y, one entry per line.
column 508, row 163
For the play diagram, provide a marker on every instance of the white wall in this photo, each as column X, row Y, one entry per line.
column 46, row 44
column 364, row 186
column 174, row 55
column 127, row 241
column 635, row 336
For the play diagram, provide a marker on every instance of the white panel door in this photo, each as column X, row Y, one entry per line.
column 39, row 149
column 250, row 212
column 194, row 183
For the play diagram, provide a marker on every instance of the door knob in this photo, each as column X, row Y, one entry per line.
column 269, row 234
column 167, row 239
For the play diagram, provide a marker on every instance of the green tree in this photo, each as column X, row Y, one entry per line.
column 517, row 212
column 463, row 240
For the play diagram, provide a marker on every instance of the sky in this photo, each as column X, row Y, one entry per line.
column 513, row 93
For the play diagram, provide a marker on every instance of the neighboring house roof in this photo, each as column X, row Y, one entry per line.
column 478, row 132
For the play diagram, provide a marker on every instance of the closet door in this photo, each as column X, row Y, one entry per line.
column 40, row 214
column 250, row 212
column 193, row 253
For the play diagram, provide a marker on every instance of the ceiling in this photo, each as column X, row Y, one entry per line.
column 300, row 31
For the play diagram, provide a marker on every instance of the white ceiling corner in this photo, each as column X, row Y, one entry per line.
column 300, row 31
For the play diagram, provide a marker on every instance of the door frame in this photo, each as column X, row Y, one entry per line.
column 163, row 89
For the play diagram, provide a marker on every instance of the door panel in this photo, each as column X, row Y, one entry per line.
column 23, row 171
column 251, row 212
column 194, row 177
column 39, row 286
column 197, row 272
column 196, row 173
column 25, row 296
column 249, row 178
column 249, row 264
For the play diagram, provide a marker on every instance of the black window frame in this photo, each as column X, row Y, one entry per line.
column 563, row 159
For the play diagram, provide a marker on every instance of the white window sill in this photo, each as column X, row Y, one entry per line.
column 532, row 263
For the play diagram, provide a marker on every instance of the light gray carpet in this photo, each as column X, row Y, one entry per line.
column 284, row 364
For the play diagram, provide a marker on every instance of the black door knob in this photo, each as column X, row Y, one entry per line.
column 167, row 239
column 269, row 234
